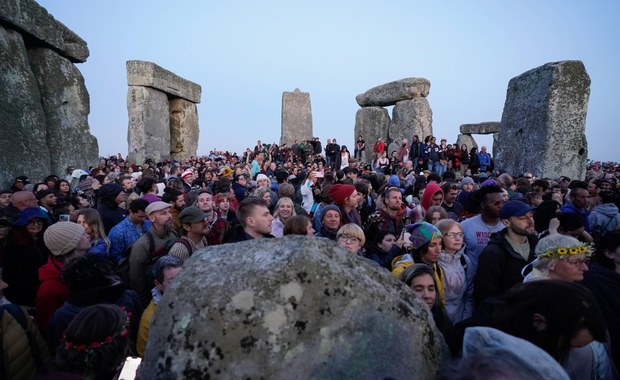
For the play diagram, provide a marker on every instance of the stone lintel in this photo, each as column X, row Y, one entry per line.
column 148, row 74
column 484, row 128
column 32, row 20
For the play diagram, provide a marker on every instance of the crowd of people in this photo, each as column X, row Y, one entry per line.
column 87, row 257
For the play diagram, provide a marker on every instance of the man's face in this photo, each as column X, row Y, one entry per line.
column 394, row 200
column 468, row 187
column 580, row 197
column 49, row 200
column 180, row 202
column 260, row 220
column 451, row 196
column 205, row 202
column 137, row 217
column 331, row 220
column 127, row 184
column 198, row 228
column 436, row 199
column 521, row 225
column 5, row 200
column 352, row 200
column 169, row 275
column 492, row 204
column 162, row 219
column 24, row 199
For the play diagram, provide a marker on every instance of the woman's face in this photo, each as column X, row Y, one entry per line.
column 35, row 226
column 106, row 180
column 267, row 197
column 423, row 286
column 434, row 249
column 387, row 242
column 331, row 220
column 224, row 204
column 309, row 229
column 453, row 239
column 569, row 269
column 84, row 203
column 64, row 187
column 81, row 220
column 349, row 242
column 285, row 210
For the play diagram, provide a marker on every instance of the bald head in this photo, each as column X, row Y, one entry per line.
column 23, row 199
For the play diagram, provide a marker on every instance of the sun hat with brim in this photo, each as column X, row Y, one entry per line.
column 156, row 206
column 192, row 214
column 28, row 214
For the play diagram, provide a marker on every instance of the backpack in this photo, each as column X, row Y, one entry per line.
column 18, row 314
column 155, row 254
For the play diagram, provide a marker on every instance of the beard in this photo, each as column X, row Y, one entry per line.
column 167, row 227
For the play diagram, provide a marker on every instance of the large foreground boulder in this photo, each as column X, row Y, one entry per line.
column 289, row 308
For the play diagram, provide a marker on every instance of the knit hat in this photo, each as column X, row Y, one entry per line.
column 187, row 173
column 339, row 192
column 63, row 237
column 261, row 177
column 467, row 180
column 327, row 208
column 489, row 182
column 422, row 233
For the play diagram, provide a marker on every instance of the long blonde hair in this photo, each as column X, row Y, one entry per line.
column 93, row 219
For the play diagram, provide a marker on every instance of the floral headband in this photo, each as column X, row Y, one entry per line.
column 121, row 331
column 580, row 249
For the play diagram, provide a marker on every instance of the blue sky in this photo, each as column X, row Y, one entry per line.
column 244, row 54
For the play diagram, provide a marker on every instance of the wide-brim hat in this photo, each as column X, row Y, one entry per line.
column 28, row 214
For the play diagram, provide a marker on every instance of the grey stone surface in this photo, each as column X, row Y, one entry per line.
column 23, row 146
column 65, row 102
column 148, row 135
column 143, row 73
column 289, row 308
column 184, row 130
column 371, row 123
column 393, row 147
column 31, row 19
column 296, row 117
column 483, row 128
column 411, row 117
column 466, row 139
column 543, row 123
column 390, row 93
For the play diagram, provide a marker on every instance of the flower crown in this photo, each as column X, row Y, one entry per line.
column 580, row 249
column 121, row 331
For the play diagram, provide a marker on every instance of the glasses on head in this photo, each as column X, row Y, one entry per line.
column 454, row 235
column 348, row 238
column 577, row 262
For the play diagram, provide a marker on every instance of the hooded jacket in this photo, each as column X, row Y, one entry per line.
column 110, row 213
column 458, row 279
column 499, row 267
column 52, row 292
column 604, row 218
column 431, row 189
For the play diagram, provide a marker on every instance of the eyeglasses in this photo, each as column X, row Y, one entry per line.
column 577, row 262
column 498, row 203
column 35, row 223
column 454, row 235
column 347, row 238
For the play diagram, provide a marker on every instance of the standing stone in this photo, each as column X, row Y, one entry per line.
column 371, row 123
column 411, row 117
column 148, row 134
column 296, row 117
column 390, row 93
column 184, row 129
column 65, row 102
column 466, row 139
column 23, row 137
column 291, row 308
column 543, row 123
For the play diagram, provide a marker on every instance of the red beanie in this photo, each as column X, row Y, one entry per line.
column 339, row 192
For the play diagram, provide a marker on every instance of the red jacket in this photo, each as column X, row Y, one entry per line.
column 52, row 292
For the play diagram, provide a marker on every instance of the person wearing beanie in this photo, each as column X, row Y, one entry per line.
column 331, row 220
column 47, row 201
column 346, row 197
column 110, row 196
column 262, row 181
column 501, row 262
column 64, row 240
